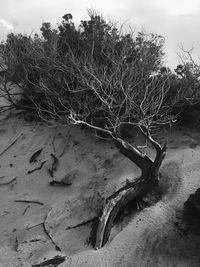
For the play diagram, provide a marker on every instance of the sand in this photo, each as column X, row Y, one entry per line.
column 59, row 218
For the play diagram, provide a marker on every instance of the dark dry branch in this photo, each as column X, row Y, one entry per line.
column 29, row 201
column 49, row 236
column 11, row 144
column 9, row 182
column 16, row 244
column 52, row 262
column 33, row 226
column 25, row 210
column 38, row 168
column 54, row 165
column 46, row 232
column 60, row 183
column 35, row 155
column 82, row 224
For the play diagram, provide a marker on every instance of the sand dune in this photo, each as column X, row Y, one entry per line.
column 58, row 219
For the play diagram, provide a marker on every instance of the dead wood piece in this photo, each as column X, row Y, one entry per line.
column 29, row 201
column 60, row 183
column 9, row 182
column 82, row 224
column 33, row 226
column 54, row 165
column 49, row 236
column 35, row 155
column 35, row 240
column 38, row 168
column 25, row 210
column 47, row 233
column 11, row 144
column 112, row 207
column 54, row 262
column 16, row 245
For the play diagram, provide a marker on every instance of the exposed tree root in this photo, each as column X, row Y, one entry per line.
column 132, row 191
column 114, row 204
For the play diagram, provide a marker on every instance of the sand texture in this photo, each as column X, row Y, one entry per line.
column 39, row 221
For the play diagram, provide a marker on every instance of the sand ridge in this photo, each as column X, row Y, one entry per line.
column 96, row 169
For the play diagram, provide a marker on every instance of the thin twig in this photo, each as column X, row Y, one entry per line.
column 9, row 182
column 11, row 144
column 82, row 224
column 48, row 234
column 26, row 209
column 33, row 226
column 29, row 201
column 38, row 168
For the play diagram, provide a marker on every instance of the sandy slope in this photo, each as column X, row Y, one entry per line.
column 96, row 169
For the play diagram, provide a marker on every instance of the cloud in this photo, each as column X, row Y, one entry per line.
column 179, row 7
column 6, row 24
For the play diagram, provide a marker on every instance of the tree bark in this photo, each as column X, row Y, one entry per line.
column 132, row 191
column 135, row 190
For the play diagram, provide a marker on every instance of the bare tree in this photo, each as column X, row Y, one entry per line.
column 110, row 80
column 127, row 96
column 126, row 89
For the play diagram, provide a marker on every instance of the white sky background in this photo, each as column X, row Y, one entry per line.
column 177, row 20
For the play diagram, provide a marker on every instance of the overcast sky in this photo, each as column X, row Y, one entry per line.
column 177, row 20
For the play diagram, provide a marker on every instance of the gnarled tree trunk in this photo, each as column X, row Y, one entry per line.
column 135, row 190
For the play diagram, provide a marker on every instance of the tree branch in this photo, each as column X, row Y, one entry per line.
column 77, row 121
column 132, row 153
column 160, row 151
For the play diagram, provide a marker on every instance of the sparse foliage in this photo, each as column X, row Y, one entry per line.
column 102, row 77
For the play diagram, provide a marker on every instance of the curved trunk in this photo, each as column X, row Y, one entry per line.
column 135, row 190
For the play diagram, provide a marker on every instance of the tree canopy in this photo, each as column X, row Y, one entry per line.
column 98, row 73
